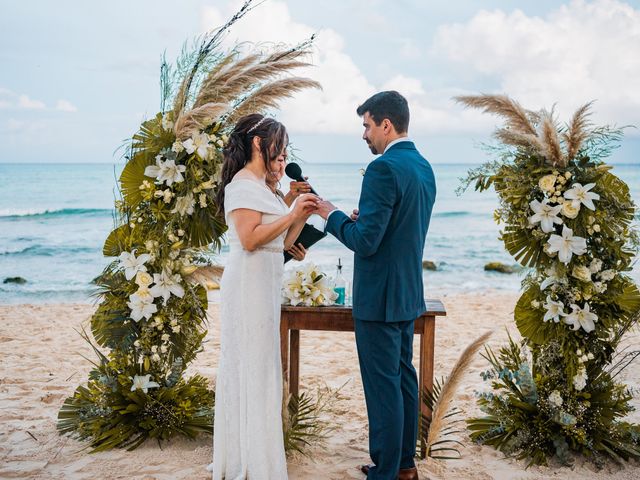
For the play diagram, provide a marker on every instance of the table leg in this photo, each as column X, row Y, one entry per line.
column 294, row 365
column 427, row 343
column 284, row 348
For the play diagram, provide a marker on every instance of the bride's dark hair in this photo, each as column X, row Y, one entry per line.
column 237, row 153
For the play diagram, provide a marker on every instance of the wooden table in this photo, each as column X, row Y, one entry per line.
column 339, row 319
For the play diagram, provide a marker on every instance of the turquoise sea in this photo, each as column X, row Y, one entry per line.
column 54, row 219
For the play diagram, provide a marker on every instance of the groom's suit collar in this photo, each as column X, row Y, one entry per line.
column 402, row 142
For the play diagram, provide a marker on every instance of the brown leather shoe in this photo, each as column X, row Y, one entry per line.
column 403, row 474
column 365, row 468
column 408, row 474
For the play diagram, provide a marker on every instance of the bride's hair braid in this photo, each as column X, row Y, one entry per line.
column 237, row 152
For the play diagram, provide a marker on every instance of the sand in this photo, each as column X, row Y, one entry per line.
column 40, row 365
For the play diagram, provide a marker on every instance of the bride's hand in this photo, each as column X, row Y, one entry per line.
column 305, row 205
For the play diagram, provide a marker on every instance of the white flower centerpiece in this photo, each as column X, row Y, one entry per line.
column 308, row 286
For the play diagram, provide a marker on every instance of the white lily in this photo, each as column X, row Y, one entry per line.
column 581, row 317
column 143, row 382
column 566, row 245
column 165, row 171
column 184, row 205
column 166, row 284
column 555, row 310
column 552, row 277
column 545, row 214
column 141, row 306
column 155, row 170
column 579, row 194
column 172, row 173
column 199, row 143
column 132, row 264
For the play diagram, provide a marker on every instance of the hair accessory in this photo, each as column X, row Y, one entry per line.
column 257, row 124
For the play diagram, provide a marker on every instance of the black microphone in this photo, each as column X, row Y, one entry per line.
column 294, row 172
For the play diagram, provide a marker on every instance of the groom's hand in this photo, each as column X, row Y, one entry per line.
column 324, row 208
column 355, row 214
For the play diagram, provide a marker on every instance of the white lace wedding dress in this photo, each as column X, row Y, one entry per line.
column 247, row 436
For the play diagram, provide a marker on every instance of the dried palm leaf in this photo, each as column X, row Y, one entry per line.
column 550, row 140
column 526, row 140
column 448, row 391
column 578, row 130
column 269, row 95
column 197, row 119
column 517, row 118
column 253, row 76
column 216, row 80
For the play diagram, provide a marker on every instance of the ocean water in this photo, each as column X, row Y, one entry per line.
column 54, row 219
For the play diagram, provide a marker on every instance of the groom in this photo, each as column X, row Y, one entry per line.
column 387, row 235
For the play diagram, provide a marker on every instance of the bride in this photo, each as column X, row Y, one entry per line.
column 247, row 437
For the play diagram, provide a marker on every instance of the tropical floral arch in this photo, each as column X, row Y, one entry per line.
column 151, row 314
column 567, row 217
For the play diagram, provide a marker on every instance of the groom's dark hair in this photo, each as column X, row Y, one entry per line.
column 389, row 104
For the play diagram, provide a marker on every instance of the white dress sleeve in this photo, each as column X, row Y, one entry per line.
column 244, row 193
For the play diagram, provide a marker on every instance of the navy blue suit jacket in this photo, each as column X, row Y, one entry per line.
column 398, row 192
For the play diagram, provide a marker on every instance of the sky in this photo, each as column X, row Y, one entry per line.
column 78, row 77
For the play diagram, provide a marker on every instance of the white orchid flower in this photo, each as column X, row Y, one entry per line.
column 581, row 317
column 555, row 310
column 579, row 194
column 545, row 214
column 143, row 382
column 199, row 143
column 132, row 264
column 566, row 245
column 141, row 306
column 166, row 284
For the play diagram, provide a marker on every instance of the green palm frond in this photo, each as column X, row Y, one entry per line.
column 112, row 327
column 302, row 420
column 152, row 137
column 206, row 228
column 529, row 319
column 524, row 248
column 132, row 177
column 118, row 241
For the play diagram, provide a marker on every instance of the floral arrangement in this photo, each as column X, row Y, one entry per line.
column 569, row 219
column 150, row 317
column 308, row 286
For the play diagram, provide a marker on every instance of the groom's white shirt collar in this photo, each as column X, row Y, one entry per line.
column 389, row 145
column 397, row 140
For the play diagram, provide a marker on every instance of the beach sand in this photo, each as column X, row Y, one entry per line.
column 41, row 365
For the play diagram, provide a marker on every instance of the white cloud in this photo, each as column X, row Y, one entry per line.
column 29, row 104
column 66, row 106
column 578, row 52
column 11, row 100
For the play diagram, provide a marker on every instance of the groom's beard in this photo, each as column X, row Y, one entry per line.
column 372, row 148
